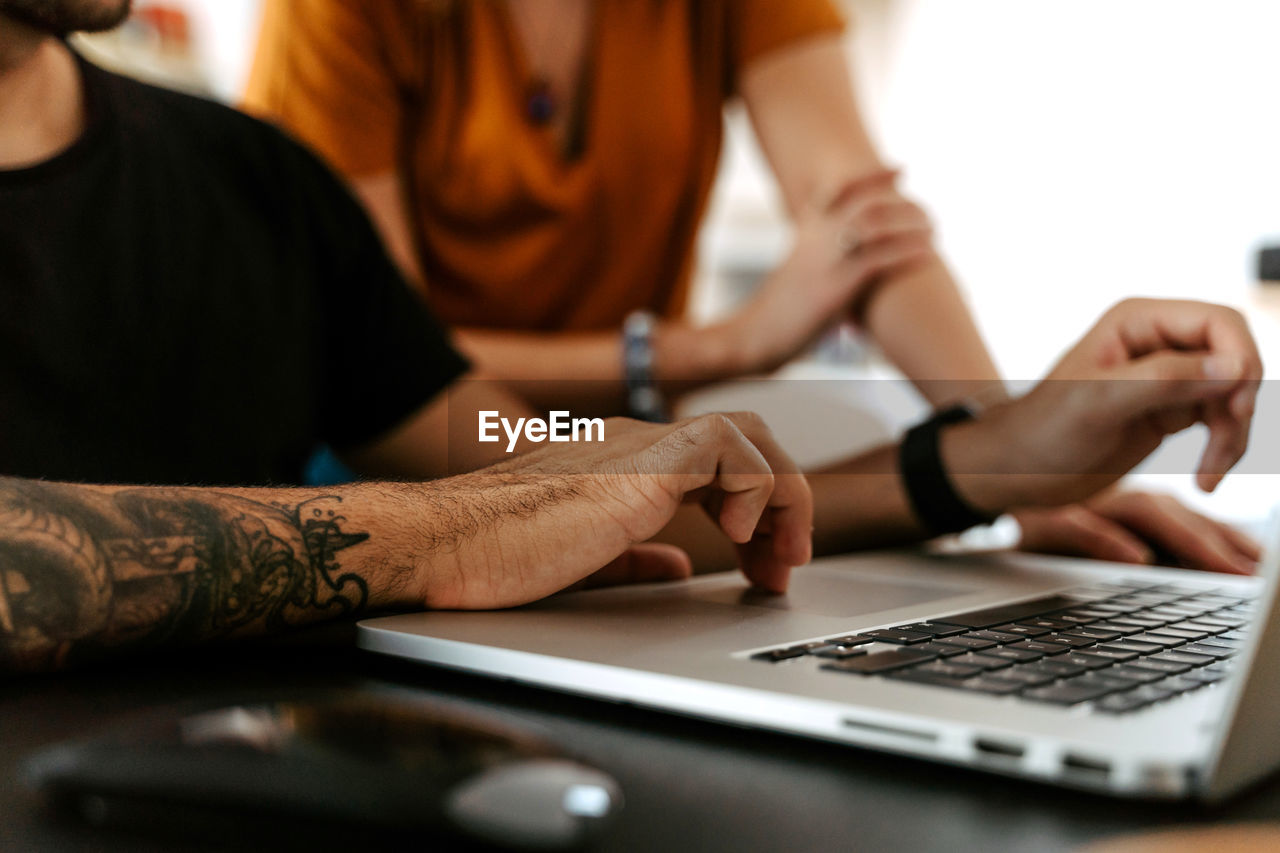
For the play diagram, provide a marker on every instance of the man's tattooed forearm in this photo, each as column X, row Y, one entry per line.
column 84, row 571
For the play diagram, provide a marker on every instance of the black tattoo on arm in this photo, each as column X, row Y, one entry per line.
column 86, row 571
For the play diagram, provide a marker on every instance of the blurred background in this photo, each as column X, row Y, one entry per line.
column 1071, row 153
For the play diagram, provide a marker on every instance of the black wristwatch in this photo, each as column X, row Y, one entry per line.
column 934, row 500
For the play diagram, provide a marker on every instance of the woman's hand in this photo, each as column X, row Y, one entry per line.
column 1138, row 527
column 841, row 250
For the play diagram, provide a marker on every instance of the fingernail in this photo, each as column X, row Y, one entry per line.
column 1223, row 366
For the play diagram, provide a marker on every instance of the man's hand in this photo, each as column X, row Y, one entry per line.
column 1137, row 527
column 87, row 571
column 552, row 518
column 1148, row 369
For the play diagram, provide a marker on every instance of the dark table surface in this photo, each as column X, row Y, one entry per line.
column 689, row 784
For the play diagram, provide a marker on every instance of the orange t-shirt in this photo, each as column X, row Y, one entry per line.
column 512, row 235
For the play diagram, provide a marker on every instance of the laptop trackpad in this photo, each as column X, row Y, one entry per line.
column 835, row 593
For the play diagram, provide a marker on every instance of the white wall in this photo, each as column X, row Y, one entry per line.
column 1073, row 153
column 225, row 31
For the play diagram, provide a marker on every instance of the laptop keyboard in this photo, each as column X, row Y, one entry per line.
column 1120, row 647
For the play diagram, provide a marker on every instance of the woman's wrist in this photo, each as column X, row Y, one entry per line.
column 684, row 353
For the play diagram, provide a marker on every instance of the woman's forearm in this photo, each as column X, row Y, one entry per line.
column 920, row 320
column 583, row 372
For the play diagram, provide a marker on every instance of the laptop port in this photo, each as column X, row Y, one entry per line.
column 880, row 729
column 998, row 748
column 1083, row 766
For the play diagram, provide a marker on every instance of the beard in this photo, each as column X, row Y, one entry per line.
column 59, row 17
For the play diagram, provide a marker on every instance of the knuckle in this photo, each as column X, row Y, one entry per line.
column 877, row 212
column 717, row 425
column 1229, row 313
column 748, row 419
column 1148, row 503
column 1128, row 305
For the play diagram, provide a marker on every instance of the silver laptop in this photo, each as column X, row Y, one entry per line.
column 1133, row 681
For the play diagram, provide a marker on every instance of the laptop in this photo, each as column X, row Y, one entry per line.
column 1137, row 682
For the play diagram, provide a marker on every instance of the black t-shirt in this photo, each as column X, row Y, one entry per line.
column 186, row 296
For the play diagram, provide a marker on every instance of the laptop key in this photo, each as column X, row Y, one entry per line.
column 1101, row 661
column 877, row 662
column 1166, row 667
column 1155, row 692
column 1123, row 630
column 1012, row 612
column 1148, row 599
column 1071, row 692
column 1028, row 676
column 1173, row 610
column 933, row 629
column 1139, row 622
column 1205, row 675
column 1021, row 630
column 994, row 684
column 1110, row 607
column 1129, row 644
column 1192, row 625
column 1111, row 653
column 1181, row 657
column 897, row 636
column 1215, row 652
column 1015, row 655
column 1170, row 631
column 984, row 661
column 1180, row 684
column 850, row 640
column 1071, row 640
column 1130, row 700
column 775, row 655
column 967, row 642
column 1104, row 679
column 915, row 676
column 1053, row 623
column 838, row 652
column 1087, row 661
column 977, row 684
column 939, row 649
column 1081, row 617
column 1091, row 632
column 1226, row 621
column 1161, row 640
column 995, row 636
column 1057, row 667
column 1135, row 674
column 1119, row 703
column 1042, row 647
column 948, row 668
